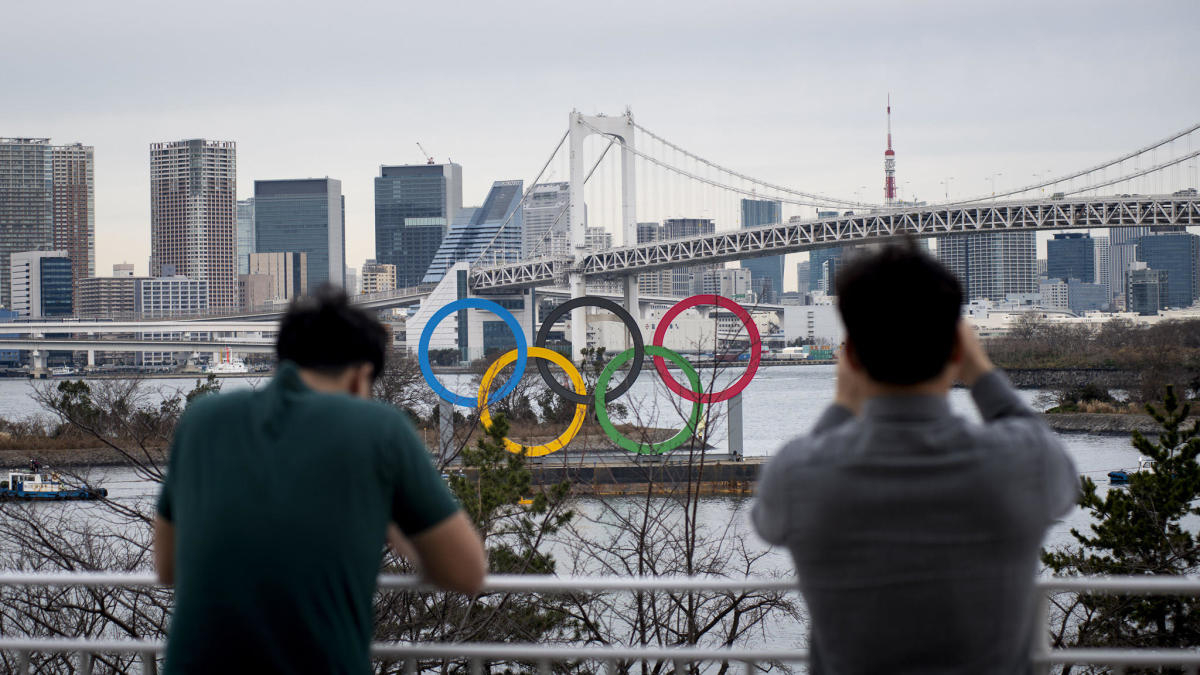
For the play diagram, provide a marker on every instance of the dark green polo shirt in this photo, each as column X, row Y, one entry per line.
column 280, row 499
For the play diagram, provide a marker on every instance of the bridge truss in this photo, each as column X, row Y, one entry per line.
column 792, row 237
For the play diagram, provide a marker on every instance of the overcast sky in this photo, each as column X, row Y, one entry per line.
column 790, row 92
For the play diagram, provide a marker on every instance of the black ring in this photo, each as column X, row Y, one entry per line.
column 639, row 347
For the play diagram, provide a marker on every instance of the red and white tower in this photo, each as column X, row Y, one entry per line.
column 889, row 162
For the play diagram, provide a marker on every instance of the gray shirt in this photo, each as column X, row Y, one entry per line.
column 916, row 533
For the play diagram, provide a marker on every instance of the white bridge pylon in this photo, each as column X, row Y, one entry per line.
column 621, row 131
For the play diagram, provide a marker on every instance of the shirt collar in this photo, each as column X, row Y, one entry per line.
column 907, row 408
column 287, row 378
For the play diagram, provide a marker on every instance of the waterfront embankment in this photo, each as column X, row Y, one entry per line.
column 1105, row 424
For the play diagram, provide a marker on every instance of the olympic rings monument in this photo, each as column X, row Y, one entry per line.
column 442, row 321
column 635, row 356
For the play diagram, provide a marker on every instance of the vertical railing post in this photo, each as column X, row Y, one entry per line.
column 84, row 662
column 23, row 662
column 149, row 663
column 1041, row 635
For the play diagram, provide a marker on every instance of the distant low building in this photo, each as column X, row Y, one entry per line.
column 108, row 296
column 1147, row 289
column 378, row 277
column 1054, row 294
column 287, row 269
column 171, row 295
column 255, row 290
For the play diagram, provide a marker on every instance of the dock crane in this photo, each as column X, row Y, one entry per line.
column 428, row 157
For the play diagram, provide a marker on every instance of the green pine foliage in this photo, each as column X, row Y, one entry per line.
column 491, row 488
column 1141, row 531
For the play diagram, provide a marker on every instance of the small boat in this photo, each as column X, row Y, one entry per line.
column 1121, row 477
column 228, row 365
column 37, row 486
column 62, row 371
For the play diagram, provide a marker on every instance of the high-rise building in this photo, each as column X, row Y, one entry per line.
column 245, row 234
column 287, row 269
column 352, row 285
column 41, row 284
column 414, row 204
column 378, row 277
column 193, row 215
column 993, row 265
column 492, row 234
column 657, row 282
column 306, row 215
column 1174, row 251
column 766, row 272
column 1146, row 289
column 802, row 277
column 1122, row 252
column 545, row 221
column 690, row 279
column 1071, row 255
column 75, row 207
column 1103, row 271
column 817, row 268
column 26, row 202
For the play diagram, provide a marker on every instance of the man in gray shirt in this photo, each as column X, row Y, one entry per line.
column 915, row 533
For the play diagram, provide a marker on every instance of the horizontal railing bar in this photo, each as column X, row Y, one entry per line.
column 512, row 583
column 1122, row 657
column 1132, row 585
column 531, row 652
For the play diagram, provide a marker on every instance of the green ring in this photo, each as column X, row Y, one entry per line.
column 647, row 448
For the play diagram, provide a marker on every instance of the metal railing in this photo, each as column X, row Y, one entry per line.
column 476, row 655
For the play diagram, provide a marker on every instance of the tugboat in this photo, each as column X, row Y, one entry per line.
column 1145, row 464
column 39, row 486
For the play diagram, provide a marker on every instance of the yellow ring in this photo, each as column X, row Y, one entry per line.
column 561, row 361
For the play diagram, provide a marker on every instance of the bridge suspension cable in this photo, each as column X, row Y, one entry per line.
column 1094, row 169
column 723, row 186
column 565, row 208
column 1137, row 174
column 822, row 200
column 524, row 196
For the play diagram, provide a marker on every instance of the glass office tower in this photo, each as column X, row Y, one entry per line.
column 245, row 234
column 304, row 215
column 492, row 233
column 766, row 274
column 414, row 204
column 1174, row 251
column 1071, row 256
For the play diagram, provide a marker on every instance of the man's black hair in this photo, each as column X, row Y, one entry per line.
column 901, row 310
column 324, row 332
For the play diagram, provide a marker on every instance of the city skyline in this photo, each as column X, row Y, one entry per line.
column 819, row 125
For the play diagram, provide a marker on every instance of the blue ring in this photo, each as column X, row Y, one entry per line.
column 427, row 334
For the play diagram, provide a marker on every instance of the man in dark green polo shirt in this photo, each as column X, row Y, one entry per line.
column 277, row 502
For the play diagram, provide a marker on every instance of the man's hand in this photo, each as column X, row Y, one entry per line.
column 975, row 362
column 851, row 387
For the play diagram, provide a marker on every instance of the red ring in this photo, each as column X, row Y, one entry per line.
column 755, row 348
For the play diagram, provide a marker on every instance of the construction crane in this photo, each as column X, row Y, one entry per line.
column 428, row 157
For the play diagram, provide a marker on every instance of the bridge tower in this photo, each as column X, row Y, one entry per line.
column 621, row 130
